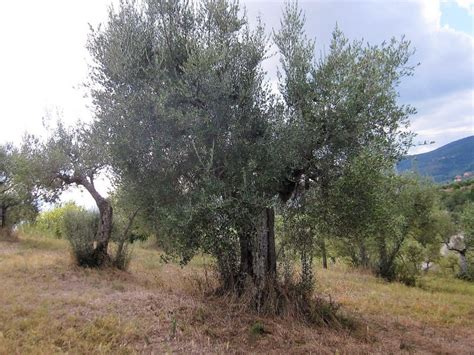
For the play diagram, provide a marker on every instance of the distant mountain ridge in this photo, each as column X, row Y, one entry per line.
column 442, row 164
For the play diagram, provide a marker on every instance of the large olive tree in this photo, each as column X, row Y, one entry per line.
column 194, row 131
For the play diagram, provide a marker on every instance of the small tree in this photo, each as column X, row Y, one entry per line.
column 18, row 195
column 463, row 244
column 74, row 156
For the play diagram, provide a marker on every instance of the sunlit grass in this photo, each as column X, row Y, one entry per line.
column 33, row 330
column 48, row 305
column 441, row 301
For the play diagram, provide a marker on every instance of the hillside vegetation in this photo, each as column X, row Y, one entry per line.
column 443, row 164
column 51, row 306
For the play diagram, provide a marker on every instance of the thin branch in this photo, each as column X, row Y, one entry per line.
column 130, row 222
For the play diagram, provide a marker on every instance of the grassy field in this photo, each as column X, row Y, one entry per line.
column 48, row 305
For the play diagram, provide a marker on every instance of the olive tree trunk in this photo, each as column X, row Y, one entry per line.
column 105, row 222
column 258, row 255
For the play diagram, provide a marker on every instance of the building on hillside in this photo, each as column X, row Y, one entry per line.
column 458, row 178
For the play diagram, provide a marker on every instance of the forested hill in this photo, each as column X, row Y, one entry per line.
column 445, row 163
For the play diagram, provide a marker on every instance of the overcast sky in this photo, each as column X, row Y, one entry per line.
column 43, row 59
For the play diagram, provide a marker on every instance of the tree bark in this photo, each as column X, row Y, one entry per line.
column 105, row 222
column 258, row 255
column 246, row 266
column 264, row 255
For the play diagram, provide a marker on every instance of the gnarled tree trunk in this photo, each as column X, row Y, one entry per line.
column 258, row 255
column 104, row 232
column 105, row 223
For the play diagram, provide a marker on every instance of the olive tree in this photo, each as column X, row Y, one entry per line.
column 19, row 197
column 209, row 152
column 183, row 98
column 73, row 156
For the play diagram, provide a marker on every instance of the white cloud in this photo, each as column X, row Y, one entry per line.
column 466, row 4
column 431, row 13
column 444, row 119
column 441, row 89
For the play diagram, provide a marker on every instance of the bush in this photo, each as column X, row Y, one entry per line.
column 51, row 222
column 257, row 328
column 80, row 229
column 408, row 265
column 122, row 254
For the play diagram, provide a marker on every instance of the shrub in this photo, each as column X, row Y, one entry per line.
column 122, row 254
column 80, row 228
column 257, row 328
column 52, row 222
column 408, row 265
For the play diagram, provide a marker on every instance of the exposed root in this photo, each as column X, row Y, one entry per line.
column 289, row 300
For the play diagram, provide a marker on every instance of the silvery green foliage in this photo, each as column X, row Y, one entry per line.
column 195, row 134
column 80, row 229
column 68, row 155
column 19, row 195
column 465, row 249
column 341, row 109
column 73, row 156
column 180, row 91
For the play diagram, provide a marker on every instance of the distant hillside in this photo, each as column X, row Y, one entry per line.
column 443, row 164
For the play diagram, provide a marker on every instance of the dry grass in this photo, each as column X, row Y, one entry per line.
column 47, row 305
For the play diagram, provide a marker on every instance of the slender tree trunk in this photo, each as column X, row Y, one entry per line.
column 386, row 262
column 3, row 216
column 463, row 262
column 324, row 253
column 125, row 236
column 364, row 258
column 325, row 199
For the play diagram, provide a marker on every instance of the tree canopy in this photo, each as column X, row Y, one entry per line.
column 196, row 134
